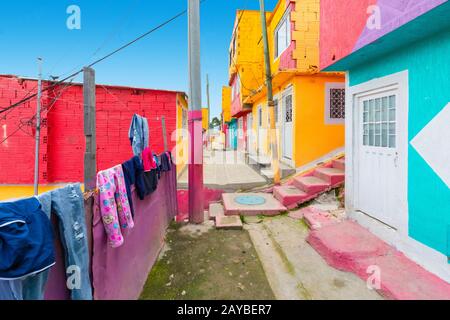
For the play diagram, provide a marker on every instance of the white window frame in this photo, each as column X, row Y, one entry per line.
column 284, row 20
column 328, row 87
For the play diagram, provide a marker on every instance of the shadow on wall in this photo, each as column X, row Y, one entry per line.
column 120, row 273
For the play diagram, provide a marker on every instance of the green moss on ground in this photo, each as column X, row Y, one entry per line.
column 216, row 264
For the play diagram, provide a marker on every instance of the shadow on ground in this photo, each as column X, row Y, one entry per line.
column 200, row 262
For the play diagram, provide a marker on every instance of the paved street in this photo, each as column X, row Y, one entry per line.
column 225, row 170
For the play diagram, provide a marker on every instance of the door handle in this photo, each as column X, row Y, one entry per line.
column 396, row 160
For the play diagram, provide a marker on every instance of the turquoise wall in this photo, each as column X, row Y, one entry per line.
column 428, row 62
column 233, row 136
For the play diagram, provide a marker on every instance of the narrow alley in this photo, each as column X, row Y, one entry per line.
column 186, row 156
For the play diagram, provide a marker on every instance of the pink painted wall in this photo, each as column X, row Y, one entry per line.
column 287, row 60
column 210, row 195
column 343, row 27
column 119, row 274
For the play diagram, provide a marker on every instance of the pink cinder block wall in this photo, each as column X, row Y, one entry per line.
column 62, row 136
column 120, row 274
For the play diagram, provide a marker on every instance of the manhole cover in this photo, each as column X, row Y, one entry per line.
column 250, row 200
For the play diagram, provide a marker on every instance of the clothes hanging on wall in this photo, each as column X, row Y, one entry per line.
column 67, row 204
column 26, row 238
column 166, row 161
column 139, row 134
column 134, row 175
column 151, row 181
column 114, row 206
column 148, row 160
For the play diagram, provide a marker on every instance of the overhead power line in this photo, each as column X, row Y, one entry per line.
column 99, row 60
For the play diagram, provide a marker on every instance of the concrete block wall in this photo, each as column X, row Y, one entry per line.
column 62, row 134
column 306, row 20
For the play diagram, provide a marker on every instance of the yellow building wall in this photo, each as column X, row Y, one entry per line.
column 25, row 191
column 306, row 19
column 314, row 138
column 248, row 59
column 205, row 117
column 226, row 104
column 181, row 136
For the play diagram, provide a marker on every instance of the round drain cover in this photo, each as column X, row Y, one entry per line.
column 250, row 200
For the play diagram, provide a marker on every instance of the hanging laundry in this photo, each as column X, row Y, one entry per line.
column 11, row 290
column 114, row 206
column 26, row 238
column 148, row 160
column 166, row 162
column 134, row 175
column 151, row 181
column 68, row 205
column 139, row 134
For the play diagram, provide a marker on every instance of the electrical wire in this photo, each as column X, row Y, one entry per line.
column 100, row 59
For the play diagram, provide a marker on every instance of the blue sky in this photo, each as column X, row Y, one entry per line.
column 33, row 28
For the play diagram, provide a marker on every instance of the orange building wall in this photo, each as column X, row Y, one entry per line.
column 313, row 137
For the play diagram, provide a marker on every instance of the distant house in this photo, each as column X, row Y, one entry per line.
column 396, row 54
column 309, row 104
column 62, row 135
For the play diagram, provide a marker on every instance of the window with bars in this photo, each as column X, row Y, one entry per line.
column 288, row 108
column 335, row 103
column 379, row 122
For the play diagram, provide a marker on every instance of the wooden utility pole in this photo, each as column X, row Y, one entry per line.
column 270, row 102
column 38, row 129
column 195, row 179
column 164, row 132
column 90, row 158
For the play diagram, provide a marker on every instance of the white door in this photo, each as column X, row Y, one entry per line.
column 287, row 119
column 250, row 135
column 261, row 131
column 378, row 156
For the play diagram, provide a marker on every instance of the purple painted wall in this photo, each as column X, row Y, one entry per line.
column 394, row 14
column 120, row 274
column 343, row 24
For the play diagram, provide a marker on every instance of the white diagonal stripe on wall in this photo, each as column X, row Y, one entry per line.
column 433, row 144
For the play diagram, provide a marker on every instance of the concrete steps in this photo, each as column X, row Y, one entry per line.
column 313, row 184
column 339, row 164
column 217, row 213
column 289, row 195
column 286, row 197
column 270, row 207
column 332, row 176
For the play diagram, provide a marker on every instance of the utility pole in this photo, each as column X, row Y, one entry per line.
column 195, row 180
column 208, row 140
column 164, row 132
column 90, row 157
column 38, row 129
column 270, row 102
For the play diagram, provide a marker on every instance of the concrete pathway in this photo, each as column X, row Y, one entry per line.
column 225, row 170
column 294, row 269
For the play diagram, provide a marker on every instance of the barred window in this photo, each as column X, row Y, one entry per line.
column 335, row 103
